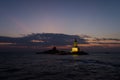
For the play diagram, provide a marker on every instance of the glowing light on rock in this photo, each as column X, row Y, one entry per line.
column 75, row 50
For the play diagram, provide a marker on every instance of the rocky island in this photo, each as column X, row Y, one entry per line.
column 75, row 51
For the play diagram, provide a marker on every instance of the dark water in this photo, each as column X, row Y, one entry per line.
column 31, row 66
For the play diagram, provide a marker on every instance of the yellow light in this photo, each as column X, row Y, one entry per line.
column 74, row 49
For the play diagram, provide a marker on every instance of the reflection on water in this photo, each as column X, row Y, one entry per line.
column 30, row 66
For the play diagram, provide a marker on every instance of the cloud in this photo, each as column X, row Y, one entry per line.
column 91, row 39
column 85, row 36
column 45, row 39
column 107, row 40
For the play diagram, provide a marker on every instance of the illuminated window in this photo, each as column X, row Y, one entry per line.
column 74, row 49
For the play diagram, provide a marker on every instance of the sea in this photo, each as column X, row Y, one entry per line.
column 32, row 66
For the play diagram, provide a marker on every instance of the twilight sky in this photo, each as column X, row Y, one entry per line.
column 98, row 18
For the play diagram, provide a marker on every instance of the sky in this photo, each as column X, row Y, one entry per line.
column 98, row 18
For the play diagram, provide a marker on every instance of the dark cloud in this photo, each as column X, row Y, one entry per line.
column 85, row 36
column 45, row 39
column 113, row 39
column 105, row 41
column 48, row 39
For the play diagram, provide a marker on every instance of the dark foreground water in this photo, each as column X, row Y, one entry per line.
column 31, row 66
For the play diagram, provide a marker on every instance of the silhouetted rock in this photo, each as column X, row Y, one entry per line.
column 80, row 53
column 55, row 51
